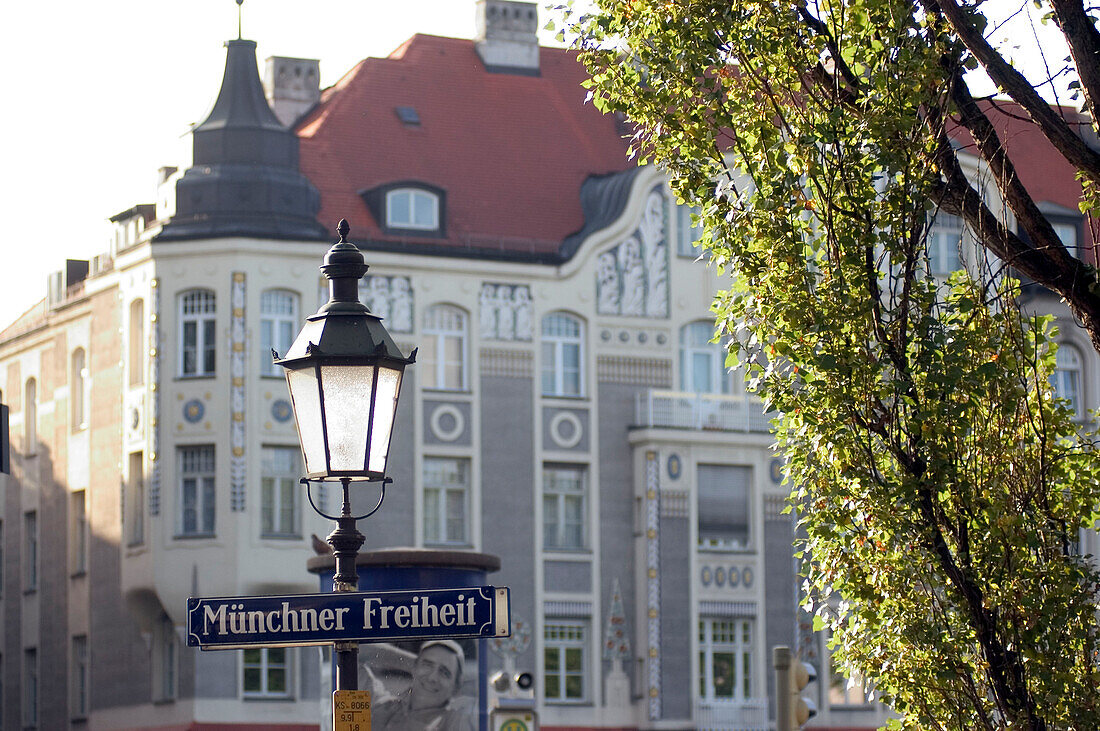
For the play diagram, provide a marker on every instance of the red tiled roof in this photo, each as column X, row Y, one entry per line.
column 1044, row 172
column 509, row 151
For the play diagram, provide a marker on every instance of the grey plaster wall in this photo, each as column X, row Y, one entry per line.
column 216, row 673
column 676, row 661
column 780, row 584
column 508, row 492
column 393, row 524
column 617, row 558
column 309, row 673
column 567, row 576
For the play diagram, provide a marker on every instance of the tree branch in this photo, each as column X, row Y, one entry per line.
column 1084, row 45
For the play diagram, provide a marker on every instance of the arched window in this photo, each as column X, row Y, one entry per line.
column 78, row 390
column 1066, row 378
column 278, row 325
column 702, row 363
column 136, row 359
column 443, row 348
column 197, row 333
column 412, row 208
column 562, row 355
column 30, row 417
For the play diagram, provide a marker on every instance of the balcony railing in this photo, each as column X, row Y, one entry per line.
column 746, row 715
column 707, row 411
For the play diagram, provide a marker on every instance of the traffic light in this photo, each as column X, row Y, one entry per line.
column 791, row 678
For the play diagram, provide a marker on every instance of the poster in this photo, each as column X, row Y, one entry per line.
column 429, row 685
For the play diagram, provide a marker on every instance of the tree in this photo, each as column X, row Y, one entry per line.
column 941, row 485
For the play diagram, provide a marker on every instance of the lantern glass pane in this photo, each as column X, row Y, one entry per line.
column 347, row 390
column 389, row 384
column 306, row 396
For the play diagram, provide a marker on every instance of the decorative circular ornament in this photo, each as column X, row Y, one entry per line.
column 720, row 576
column 776, row 469
column 135, row 418
column 662, row 338
column 624, row 336
column 447, row 423
column 642, row 337
column 193, row 411
column 281, row 411
column 605, row 335
column 566, row 429
column 675, row 467
column 746, row 576
column 706, row 576
column 735, row 576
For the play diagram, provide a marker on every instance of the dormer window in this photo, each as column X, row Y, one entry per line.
column 412, row 208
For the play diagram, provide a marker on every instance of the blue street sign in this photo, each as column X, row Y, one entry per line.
column 226, row 623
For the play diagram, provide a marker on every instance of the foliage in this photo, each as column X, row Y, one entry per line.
column 941, row 485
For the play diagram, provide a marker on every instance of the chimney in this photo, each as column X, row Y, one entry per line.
column 292, row 86
column 506, row 36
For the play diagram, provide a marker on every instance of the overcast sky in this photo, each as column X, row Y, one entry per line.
column 100, row 94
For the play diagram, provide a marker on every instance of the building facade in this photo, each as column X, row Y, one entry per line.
column 568, row 411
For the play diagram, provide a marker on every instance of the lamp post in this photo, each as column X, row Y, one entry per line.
column 344, row 376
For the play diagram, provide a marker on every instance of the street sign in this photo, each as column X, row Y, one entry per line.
column 351, row 710
column 227, row 623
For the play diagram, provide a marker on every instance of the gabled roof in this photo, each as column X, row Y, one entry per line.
column 509, row 152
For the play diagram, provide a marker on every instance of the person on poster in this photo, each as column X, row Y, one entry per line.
column 431, row 702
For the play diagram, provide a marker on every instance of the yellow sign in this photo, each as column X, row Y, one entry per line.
column 351, row 710
column 513, row 724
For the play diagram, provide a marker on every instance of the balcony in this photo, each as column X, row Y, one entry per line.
column 705, row 411
column 718, row 715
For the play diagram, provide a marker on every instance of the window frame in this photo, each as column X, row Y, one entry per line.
column 78, row 524
column 560, row 497
column 205, row 486
column 137, row 347
column 265, row 667
column 553, row 358
column 942, row 229
column 693, row 344
column 435, row 334
column 1068, row 378
column 165, row 661
column 80, row 677
column 743, row 657
column 728, row 544
column 277, row 328
column 413, row 194
column 444, row 490
column 78, row 390
column 281, row 484
column 30, row 417
column 30, row 551
column 135, row 498
column 30, row 687
column 204, row 318
column 688, row 236
column 562, row 645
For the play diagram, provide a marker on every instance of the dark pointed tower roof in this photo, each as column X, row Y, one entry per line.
column 244, row 179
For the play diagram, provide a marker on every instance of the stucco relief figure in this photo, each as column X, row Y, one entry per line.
column 487, row 312
column 607, row 284
column 632, row 271
column 652, row 227
column 506, row 327
column 524, row 313
column 401, row 316
column 432, row 700
column 378, row 297
column 656, row 302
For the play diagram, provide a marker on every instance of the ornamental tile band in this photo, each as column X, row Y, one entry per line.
column 154, row 387
column 237, row 469
column 653, row 581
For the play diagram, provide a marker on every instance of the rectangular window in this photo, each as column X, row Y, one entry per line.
column 723, row 506
column 944, row 240
column 725, row 659
column 197, row 333
column 30, row 688
column 30, row 551
column 564, row 666
column 687, row 234
column 136, row 354
column 842, row 691
column 196, row 498
column 78, row 526
column 278, row 326
column 564, row 507
column 80, row 677
column 266, row 672
column 279, row 487
column 135, row 499
column 446, row 499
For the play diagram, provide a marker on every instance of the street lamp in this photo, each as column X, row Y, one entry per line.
column 344, row 376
